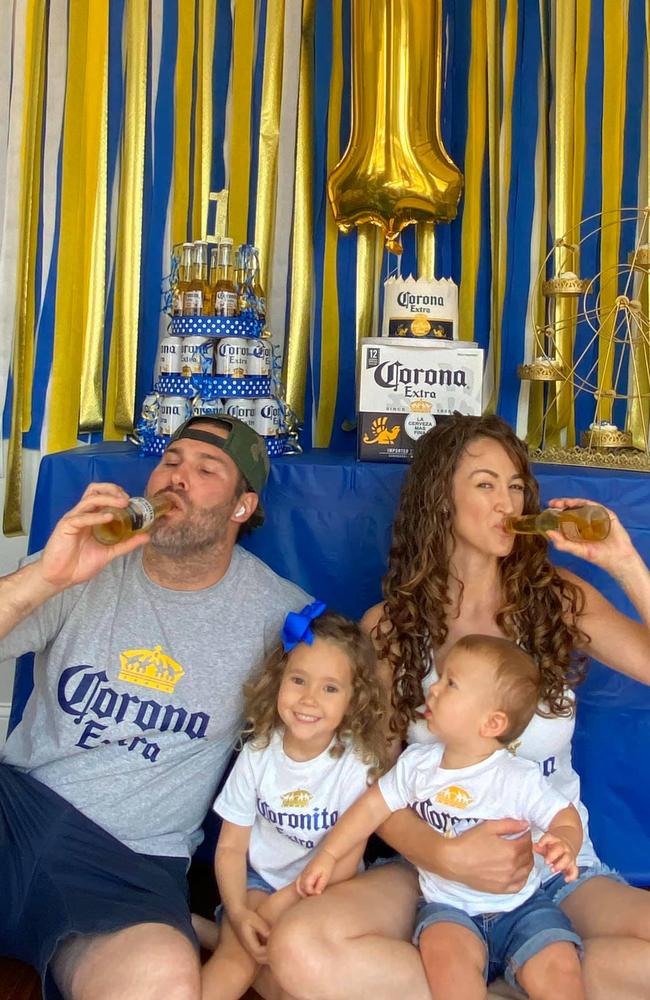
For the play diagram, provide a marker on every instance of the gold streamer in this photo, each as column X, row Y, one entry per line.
column 29, row 210
column 240, row 133
column 120, row 390
column 536, row 392
column 474, row 156
column 183, row 121
column 267, row 167
column 493, row 25
column 561, row 396
column 370, row 251
column 426, row 249
column 302, row 243
column 93, row 268
column 614, row 83
column 329, row 331
column 500, row 235
column 65, row 377
column 203, row 118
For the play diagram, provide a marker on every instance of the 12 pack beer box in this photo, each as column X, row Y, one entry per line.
column 407, row 386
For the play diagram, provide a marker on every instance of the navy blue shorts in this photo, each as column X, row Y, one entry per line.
column 61, row 874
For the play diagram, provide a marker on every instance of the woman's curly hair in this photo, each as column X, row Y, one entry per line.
column 540, row 609
column 362, row 725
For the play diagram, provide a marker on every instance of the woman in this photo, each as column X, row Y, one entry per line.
column 454, row 570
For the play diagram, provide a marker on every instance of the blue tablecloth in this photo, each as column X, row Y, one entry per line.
column 328, row 528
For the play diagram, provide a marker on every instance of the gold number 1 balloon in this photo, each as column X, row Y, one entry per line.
column 395, row 170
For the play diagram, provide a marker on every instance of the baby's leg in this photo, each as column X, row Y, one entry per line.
column 554, row 973
column 454, row 960
column 230, row 970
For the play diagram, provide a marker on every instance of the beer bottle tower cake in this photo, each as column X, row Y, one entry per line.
column 217, row 356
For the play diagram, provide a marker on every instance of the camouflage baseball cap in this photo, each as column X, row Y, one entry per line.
column 244, row 446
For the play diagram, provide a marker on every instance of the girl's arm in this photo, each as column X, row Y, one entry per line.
column 230, row 870
column 350, row 832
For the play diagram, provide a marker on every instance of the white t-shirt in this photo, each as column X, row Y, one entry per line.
column 452, row 800
column 546, row 741
column 290, row 804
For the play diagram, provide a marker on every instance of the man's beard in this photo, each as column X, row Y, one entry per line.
column 201, row 528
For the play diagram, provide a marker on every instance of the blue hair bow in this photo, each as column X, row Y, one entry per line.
column 297, row 625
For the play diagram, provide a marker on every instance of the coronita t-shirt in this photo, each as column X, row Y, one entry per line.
column 290, row 805
column 137, row 698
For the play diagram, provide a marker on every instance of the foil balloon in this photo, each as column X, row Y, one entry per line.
column 395, row 170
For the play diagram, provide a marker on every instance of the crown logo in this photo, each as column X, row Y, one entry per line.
column 454, row 796
column 150, row 668
column 298, row 799
column 420, row 406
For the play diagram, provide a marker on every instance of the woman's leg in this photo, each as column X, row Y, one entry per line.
column 352, row 941
column 613, row 921
column 454, row 962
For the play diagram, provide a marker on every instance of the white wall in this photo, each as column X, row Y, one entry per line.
column 11, row 550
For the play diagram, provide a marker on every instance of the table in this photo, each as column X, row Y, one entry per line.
column 328, row 528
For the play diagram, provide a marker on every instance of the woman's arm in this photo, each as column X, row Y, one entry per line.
column 620, row 642
column 479, row 858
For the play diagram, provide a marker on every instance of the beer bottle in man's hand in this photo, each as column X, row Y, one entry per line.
column 139, row 515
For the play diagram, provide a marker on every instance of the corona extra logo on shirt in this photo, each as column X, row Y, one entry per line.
column 150, row 668
column 298, row 799
column 454, row 796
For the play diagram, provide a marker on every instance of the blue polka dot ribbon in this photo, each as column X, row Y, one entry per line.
column 297, row 625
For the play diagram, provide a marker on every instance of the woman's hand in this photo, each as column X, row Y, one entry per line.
column 610, row 553
column 485, row 860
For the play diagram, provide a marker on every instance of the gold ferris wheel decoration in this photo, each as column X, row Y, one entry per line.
column 594, row 342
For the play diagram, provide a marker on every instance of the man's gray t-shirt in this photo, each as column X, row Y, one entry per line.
column 137, row 698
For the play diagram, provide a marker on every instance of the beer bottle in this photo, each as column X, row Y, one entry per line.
column 588, row 523
column 242, row 281
column 139, row 515
column 193, row 297
column 258, row 291
column 225, row 293
column 183, row 279
column 214, row 258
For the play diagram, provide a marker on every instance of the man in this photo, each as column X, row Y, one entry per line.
column 141, row 651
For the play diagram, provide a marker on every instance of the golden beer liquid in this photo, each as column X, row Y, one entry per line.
column 588, row 523
column 140, row 515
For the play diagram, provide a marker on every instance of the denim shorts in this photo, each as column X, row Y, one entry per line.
column 558, row 890
column 253, row 881
column 510, row 939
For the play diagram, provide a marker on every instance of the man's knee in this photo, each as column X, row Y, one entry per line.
column 143, row 962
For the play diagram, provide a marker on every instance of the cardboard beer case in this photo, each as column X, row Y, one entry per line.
column 407, row 386
column 422, row 308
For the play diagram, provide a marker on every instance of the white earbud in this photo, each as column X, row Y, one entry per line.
column 238, row 513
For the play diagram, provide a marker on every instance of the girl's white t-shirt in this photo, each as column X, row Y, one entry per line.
column 547, row 742
column 290, row 805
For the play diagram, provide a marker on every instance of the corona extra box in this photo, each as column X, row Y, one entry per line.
column 407, row 386
column 422, row 308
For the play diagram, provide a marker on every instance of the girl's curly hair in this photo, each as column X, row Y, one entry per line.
column 362, row 725
column 540, row 609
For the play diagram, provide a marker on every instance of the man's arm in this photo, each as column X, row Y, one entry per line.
column 71, row 556
column 479, row 858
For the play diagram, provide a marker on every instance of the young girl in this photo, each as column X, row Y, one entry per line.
column 316, row 722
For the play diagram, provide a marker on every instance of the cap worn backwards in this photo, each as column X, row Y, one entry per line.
column 242, row 444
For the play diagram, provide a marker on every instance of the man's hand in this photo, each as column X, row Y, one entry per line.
column 253, row 932
column 72, row 554
column 315, row 876
column 559, row 855
column 482, row 859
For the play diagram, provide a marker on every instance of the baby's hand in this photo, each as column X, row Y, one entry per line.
column 315, row 876
column 252, row 931
column 559, row 855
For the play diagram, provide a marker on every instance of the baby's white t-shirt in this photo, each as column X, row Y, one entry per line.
column 451, row 800
column 290, row 805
